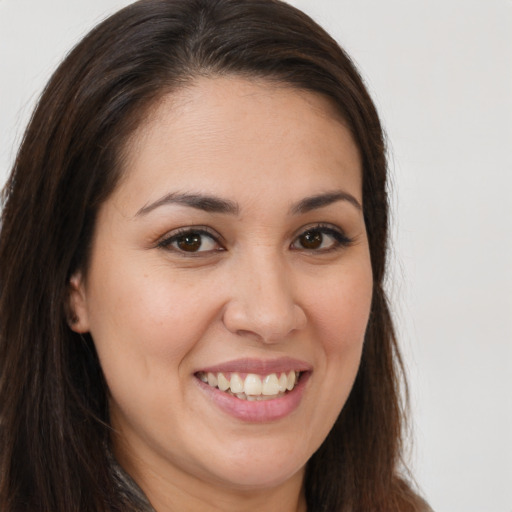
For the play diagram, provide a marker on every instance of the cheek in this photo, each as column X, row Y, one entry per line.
column 147, row 315
column 342, row 317
column 144, row 324
column 343, row 308
column 339, row 312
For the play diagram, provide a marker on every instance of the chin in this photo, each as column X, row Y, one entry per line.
column 261, row 469
column 261, row 478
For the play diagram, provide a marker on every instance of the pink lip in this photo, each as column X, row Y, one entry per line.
column 259, row 366
column 263, row 411
column 258, row 411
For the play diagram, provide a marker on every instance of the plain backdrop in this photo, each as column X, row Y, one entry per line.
column 440, row 72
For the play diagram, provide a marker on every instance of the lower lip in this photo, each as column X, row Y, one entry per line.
column 262, row 411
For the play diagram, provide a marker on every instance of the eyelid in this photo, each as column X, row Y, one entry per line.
column 166, row 241
column 341, row 240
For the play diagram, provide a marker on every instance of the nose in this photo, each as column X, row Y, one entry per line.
column 263, row 302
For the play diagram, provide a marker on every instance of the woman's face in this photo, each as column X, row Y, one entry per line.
column 233, row 251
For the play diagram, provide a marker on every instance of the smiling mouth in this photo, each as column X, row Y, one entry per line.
column 251, row 386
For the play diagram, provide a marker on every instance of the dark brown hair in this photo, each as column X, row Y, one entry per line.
column 54, row 431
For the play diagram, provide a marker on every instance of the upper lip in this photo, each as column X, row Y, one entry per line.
column 259, row 366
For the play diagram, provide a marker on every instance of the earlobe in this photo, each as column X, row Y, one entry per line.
column 77, row 316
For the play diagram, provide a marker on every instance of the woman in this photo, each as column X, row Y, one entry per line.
column 192, row 256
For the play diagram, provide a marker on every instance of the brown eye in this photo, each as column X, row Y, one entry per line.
column 321, row 239
column 311, row 240
column 191, row 242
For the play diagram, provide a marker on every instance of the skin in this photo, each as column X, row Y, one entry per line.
column 158, row 314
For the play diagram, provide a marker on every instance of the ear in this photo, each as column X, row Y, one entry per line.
column 78, row 318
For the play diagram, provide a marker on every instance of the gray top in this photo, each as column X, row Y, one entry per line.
column 129, row 489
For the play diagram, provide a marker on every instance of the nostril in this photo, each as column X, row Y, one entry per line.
column 263, row 306
column 265, row 329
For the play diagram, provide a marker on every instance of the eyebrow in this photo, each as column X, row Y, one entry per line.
column 319, row 201
column 203, row 202
column 213, row 204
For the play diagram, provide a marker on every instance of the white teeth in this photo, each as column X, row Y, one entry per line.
column 253, row 387
column 223, row 383
column 270, row 385
column 212, row 380
column 291, row 380
column 236, row 384
column 283, row 382
column 252, row 384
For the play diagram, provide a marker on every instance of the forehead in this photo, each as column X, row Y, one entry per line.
column 223, row 131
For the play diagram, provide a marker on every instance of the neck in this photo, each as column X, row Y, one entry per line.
column 173, row 499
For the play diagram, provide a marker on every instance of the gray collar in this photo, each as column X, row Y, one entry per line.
column 128, row 488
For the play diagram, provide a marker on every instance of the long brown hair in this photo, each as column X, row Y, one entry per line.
column 54, row 431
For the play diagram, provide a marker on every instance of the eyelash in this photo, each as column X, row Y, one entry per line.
column 340, row 240
column 175, row 237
